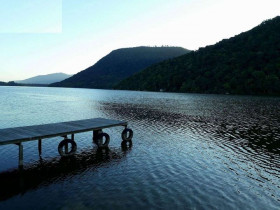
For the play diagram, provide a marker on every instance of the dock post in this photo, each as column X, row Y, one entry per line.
column 95, row 135
column 40, row 147
column 20, row 156
column 72, row 136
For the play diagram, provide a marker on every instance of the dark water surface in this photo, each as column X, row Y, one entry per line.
column 190, row 151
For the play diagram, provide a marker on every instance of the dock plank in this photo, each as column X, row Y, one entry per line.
column 29, row 133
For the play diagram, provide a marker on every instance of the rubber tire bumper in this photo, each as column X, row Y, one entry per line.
column 100, row 138
column 63, row 143
column 126, row 144
column 124, row 134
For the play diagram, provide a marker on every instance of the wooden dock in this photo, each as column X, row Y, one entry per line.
column 18, row 135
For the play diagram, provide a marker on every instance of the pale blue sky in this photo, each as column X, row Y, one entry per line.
column 41, row 37
column 30, row 16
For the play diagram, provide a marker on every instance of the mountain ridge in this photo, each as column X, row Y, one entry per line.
column 248, row 63
column 44, row 79
column 119, row 64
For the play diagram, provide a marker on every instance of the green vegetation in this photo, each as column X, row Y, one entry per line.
column 118, row 65
column 12, row 83
column 248, row 63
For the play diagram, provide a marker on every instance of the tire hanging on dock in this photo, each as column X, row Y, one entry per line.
column 127, row 135
column 99, row 140
column 126, row 144
column 124, row 134
column 63, row 144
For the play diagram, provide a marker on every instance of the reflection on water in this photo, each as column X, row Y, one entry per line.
column 189, row 151
column 250, row 137
column 48, row 172
column 258, row 138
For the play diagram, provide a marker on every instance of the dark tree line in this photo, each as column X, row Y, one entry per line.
column 248, row 63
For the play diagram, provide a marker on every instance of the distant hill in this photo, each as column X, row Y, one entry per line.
column 118, row 65
column 45, row 79
column 11, row 83
column 248, row 63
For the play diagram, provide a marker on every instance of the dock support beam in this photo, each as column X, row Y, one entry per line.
column 95, row 135
column 20, row 156
column 40, row 147
column 66, row 145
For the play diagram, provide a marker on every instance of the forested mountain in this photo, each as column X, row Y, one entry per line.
column 118, row 65
column 45, row 79
column 248, row 63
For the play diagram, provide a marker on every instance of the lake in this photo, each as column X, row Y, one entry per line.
column 190, row 151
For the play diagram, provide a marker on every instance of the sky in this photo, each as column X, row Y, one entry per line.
column 40, row 37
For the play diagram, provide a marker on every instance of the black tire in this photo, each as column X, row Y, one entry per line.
column 126, row 144
column 124, row 134
column 99, row 141
column 62, row 145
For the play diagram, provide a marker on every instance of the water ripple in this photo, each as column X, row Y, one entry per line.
column 189, row 152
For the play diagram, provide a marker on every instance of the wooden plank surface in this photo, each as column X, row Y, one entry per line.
column 34, row 132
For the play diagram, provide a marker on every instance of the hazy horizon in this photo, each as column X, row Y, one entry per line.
column 68, row 36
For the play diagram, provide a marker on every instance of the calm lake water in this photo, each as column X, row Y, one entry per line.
column 189, row 151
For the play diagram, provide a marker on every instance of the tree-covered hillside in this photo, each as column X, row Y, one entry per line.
column 12, row 83
column 118, row 65
column 248, row 63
